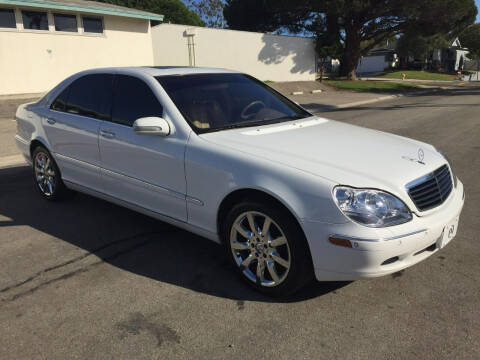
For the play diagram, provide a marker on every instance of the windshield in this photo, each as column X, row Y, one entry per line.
column 212, row 102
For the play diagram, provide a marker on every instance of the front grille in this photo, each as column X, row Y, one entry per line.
column 432, row 189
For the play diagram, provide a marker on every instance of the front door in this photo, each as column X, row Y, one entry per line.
column 144, row 170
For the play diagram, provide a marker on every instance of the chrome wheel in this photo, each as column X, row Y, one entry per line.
column 260, row 249
column 44, row 173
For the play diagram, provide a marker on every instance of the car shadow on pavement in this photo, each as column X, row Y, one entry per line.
column 130, row 241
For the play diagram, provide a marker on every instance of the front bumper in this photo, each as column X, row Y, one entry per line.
column 378, row 252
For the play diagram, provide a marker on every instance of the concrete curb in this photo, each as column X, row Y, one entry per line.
column 408, row 80
column 365, row 102
column 383, row 98
column 12, row 160
column 22, row 96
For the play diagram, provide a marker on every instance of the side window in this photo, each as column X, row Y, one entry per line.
column 92, row 24
column 91, row 95
column 61, row 101
column 7, row 19
column 36, row 20
column 133, row 99
column 65, row 22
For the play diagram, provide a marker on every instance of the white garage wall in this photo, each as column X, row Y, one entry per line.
column 372, row 64
column 265, row 56
column 35, row 61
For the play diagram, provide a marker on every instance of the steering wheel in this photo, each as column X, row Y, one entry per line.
column 245, row 115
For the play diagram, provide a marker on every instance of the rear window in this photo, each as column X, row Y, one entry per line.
column 61, row 101
column 91, row 95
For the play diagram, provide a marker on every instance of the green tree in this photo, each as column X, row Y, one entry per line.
column 359, row 24
column 327, row 44
column 420, row 47
column 174, row 10
column 210, row 11
column 470, row 39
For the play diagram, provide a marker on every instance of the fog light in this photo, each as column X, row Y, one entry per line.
column 340, row 242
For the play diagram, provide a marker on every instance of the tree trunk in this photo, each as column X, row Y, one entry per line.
column 322, row 69
column 351, row 54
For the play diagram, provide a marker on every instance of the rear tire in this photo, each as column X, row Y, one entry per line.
column 268, row 248
column 46, row 175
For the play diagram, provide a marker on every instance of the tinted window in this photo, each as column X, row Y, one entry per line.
column 91, row 95
column 133, row 99
column 92, row 24
column 7, row 18
column 218, row 101
column 35, row 20
column 65, row 22
column 61, row 101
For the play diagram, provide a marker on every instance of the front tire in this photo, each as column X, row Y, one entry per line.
column 47, row 176
column 268, row 248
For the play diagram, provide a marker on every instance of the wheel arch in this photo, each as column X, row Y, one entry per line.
column 35, row 143
column 243, row 194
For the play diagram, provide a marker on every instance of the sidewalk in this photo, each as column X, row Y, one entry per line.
column 332, row 100
column 318, row 97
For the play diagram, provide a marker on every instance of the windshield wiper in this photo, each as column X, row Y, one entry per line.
column 290, row 117
column 258, row 122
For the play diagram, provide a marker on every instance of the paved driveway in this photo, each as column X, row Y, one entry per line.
column 87, row 279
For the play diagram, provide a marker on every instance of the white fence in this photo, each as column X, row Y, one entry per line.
column 265, row 56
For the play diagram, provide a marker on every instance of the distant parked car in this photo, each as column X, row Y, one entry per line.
column 289, row 194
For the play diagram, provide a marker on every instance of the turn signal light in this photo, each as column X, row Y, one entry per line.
column 340, row 242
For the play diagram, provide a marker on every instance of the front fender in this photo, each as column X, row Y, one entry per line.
column 213, row 172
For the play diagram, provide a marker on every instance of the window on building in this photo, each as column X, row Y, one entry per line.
column 7, row 19
column 91, row 95
column 92, row 24
column 35, row 20
column 132, row 100
column 64, row 22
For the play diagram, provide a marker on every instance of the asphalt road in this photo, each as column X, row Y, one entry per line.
column 87, row 279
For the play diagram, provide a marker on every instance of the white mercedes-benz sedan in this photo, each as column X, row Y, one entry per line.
column 290, row 195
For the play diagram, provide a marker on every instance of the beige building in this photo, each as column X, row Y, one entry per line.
column 265, row 56
column 42, row 42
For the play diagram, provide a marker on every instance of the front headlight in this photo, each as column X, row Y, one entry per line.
column 451, row 167
column 371, row 208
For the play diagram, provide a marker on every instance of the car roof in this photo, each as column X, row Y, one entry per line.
column 162, row 70
column 135, row 70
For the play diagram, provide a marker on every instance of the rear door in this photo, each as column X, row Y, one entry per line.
column 144, row 170
column 71, row 126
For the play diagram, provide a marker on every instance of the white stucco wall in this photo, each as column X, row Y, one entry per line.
column 35, row 61
column 265, row 56
column 372, row 64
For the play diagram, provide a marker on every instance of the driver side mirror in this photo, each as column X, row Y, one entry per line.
column 151, row 126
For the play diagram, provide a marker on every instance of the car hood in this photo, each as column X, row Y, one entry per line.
column 342, row 153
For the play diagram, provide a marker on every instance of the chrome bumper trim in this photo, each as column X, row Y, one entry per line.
column 352, row 238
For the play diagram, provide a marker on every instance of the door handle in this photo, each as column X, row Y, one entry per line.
column 107, row 134
column 51, row 121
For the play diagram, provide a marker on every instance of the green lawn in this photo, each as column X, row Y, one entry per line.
column 418, row 75
column 372, row 86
